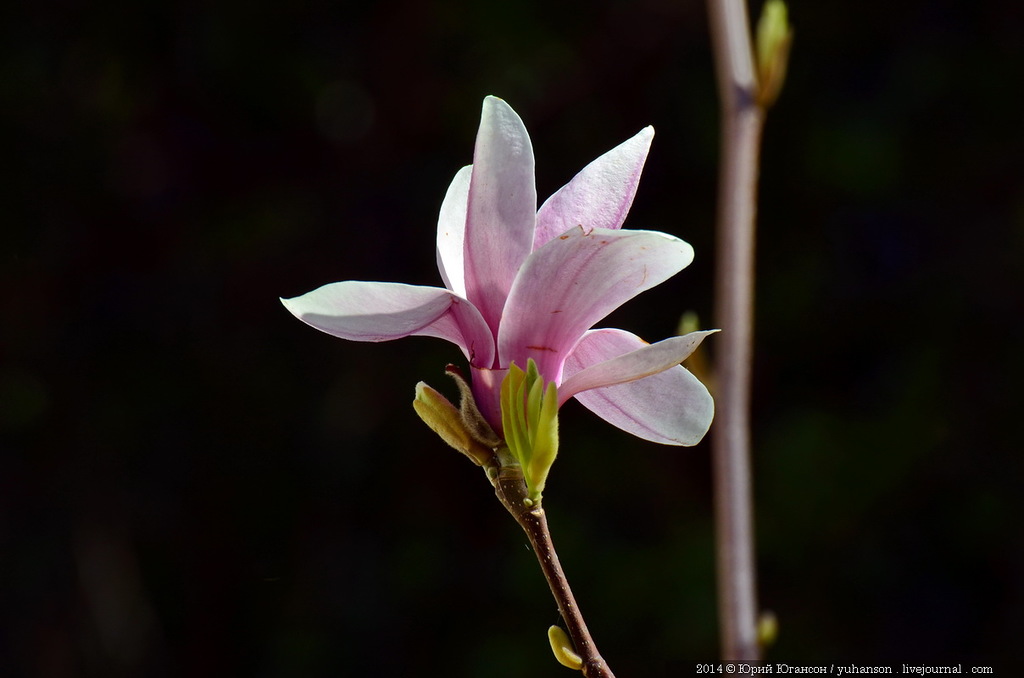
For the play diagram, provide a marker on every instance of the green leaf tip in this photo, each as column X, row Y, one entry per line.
column 529, row 415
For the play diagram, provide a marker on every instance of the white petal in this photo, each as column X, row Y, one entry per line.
column 600, row 195
column 574, row 281
column 502, row 208
column 451, row 233
column 671, row 407
column 379, row 311
column 643, row 362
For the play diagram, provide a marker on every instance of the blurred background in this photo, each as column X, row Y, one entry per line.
column 193, row 483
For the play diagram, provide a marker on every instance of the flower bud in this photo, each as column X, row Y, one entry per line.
column 446, row 421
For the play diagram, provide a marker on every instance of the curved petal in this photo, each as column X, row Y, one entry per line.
column 643, row 362
column 502, row 209
column 600, row 195
column 576, row 280
column 451, row 233
column 379, row 311
column 671, row 407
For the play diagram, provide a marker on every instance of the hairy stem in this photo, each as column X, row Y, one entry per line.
column 742, row 121
column 512, row 493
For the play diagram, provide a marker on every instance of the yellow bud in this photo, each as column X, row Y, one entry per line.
column 562, row 647
column 774, row 37
column 446, row 421
column 699, row 362
column 767, row 629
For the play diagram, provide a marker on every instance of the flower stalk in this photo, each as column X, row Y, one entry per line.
column 511, row 490
column 518, row 471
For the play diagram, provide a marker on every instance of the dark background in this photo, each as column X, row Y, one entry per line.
column 192, row 483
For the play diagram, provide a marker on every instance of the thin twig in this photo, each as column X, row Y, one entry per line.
column 741, row 125
column 512, row 493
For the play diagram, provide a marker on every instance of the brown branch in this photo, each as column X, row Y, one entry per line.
column 512, row 493
column 742, row 121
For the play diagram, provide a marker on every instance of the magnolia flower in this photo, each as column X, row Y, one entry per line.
column 522, row 284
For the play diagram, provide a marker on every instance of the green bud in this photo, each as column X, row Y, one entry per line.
column 529, row 415
column 446, row 421
column 774, row 37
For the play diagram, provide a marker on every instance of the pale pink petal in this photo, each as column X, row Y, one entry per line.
column 379, row 311
column 451, row 233
column 502, row 209
column 670, row 407
column 574, row 281
column 487, row 394
column 643, row 362
column 600, row 195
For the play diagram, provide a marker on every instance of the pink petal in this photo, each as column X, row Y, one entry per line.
column 379, row 311
column 451, row 233
column 502, row 209
column 643, row 362
column 671, row 407
column 574, row 281
column 600, row 195
column 487, row 394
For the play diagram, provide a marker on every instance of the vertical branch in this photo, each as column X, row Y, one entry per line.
column 742, row 120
